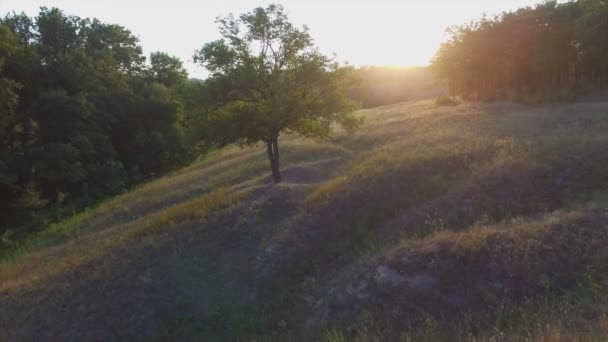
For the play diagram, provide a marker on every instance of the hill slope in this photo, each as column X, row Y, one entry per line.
column 479, row 220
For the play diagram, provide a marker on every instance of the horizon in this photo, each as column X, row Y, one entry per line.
column 415, row 28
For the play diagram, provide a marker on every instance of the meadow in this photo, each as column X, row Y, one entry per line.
column 468, row 222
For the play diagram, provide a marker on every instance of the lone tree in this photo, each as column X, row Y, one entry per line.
column 267, row 77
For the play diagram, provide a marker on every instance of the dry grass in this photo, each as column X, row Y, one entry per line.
column 186, row 196
column 36, row 267
column 523, row 254
column 460, row 192
column 189, row 211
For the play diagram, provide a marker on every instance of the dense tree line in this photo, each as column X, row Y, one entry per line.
column 547, row 51
column 82, row 115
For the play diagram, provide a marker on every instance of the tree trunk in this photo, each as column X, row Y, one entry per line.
column 272, row 146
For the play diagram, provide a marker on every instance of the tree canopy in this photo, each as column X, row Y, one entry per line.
column 82, row 115
column 267, row 77
column 541, row 52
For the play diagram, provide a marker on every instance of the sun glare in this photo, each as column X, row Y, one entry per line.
column 381, row 32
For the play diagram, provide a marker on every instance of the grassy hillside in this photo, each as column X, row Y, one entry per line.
column 472, row 222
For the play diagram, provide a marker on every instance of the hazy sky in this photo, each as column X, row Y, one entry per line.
column 363, row 32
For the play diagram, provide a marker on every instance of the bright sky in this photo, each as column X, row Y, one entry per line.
column 362, row 32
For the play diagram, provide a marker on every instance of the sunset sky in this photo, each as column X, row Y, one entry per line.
column 380, row 32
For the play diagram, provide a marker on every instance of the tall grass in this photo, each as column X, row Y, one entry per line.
column 30, row 265
column 189, row 211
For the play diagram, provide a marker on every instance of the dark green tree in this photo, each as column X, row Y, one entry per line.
column 267, row 77
column 166, row 69
column 80, row 116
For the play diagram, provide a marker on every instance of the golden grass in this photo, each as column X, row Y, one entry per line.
column 159, row 190
column 412, row 133
column 370, row 166
column 220, row 170
column 231, row 167
column 72, row 242
column 189, row 211
column 324, row 191
column 34, row 268
column 551, row 318
column 475, row 237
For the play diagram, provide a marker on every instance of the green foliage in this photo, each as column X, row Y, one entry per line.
column 267, row 77
column 166, row 70
column 31, row 199
column 81, row 114
column 532, row 54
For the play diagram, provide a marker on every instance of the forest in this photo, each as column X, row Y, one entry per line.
column 85, row 115
column 552, row 51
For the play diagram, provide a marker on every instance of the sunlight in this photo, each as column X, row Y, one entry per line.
column 381, row 32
